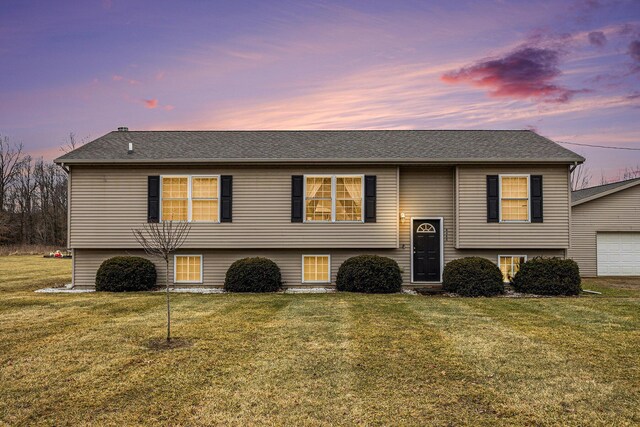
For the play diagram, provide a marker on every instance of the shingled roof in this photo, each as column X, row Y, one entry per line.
column 334, row 146
column 591, row 193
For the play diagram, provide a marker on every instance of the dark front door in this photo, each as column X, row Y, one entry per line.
column 426, row 250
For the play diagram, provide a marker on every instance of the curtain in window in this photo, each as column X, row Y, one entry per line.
column 353, row 187
column 318, row 199
column 348, row 198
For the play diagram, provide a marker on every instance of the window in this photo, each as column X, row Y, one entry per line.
column 514, row 198
column 318, row 198
column 187, row 269
column 175, row 199
column 348, row 198
column 315, row 268
column 190, row 198
column 510, row 264
column 333, row 198
column 204, row 198
column 426, row 228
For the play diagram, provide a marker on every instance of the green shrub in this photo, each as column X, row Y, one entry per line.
column 126, row 274
column 371, row 274
column 472, row 277
column 548, row 276
column 253, row 275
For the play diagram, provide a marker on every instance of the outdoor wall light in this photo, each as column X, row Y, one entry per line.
column 402, row 217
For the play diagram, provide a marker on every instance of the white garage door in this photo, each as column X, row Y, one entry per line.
column 618, row 254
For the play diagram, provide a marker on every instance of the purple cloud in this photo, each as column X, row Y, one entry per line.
column 526, row 73
column 597, row 38
column 634, row 50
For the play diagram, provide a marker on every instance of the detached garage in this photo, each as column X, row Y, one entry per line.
column 605, row 229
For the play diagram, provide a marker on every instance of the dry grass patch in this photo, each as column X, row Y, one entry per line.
column 614, row 286
column 317, row 359
column 30, row 272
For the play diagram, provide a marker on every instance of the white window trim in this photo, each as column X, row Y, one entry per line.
column 175, row 270
column 329, row 268
column 512, row 256
column 334, row 179
column 189, row 198
column 513, row 175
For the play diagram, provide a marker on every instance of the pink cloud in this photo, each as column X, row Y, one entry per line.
column 526, row 73
column 151, row 103
column 117, row 78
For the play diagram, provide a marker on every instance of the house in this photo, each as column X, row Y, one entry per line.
column 605, row 229
column 311, row 199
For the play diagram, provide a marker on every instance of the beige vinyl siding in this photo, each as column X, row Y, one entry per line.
column 475, row 232
column 426, row 192
column 217, row 261
column 616, row 212
column 106, row 203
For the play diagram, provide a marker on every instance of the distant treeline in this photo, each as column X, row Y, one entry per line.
column 33, row 198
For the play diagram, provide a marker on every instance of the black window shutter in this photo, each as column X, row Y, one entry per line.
column 153, row 199
column 492, row 198
column 297, row 198
column 226, row 195
column 370, row 198
column 536, row 198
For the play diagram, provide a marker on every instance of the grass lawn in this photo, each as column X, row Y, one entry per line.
column 327, row 359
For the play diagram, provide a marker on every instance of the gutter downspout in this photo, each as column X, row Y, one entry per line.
column 64, row 168
column 572, row 168
column 73, row 252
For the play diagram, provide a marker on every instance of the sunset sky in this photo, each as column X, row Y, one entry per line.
column 570, row 70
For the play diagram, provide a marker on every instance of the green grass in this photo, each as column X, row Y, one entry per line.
column 329, row 359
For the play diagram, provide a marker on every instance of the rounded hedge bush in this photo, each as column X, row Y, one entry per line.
column 548, row 276
column 371, row 274
column 472, row 277
column 253, row 275
column 126, row 274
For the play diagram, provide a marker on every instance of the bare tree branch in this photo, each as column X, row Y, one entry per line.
column 580, row 177
column 161, row 240
column 72, row 142
column 11, row 159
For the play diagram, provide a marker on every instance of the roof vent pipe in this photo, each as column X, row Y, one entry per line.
column 123, row 129
column 130, row 148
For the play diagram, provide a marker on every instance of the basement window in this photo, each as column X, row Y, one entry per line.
column 510, row 265
column 316, row 269
column 187, row 269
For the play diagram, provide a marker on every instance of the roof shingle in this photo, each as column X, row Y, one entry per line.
column 586, row 193
column 385, row 146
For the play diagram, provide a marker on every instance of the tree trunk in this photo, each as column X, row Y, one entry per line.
column 168, row 303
